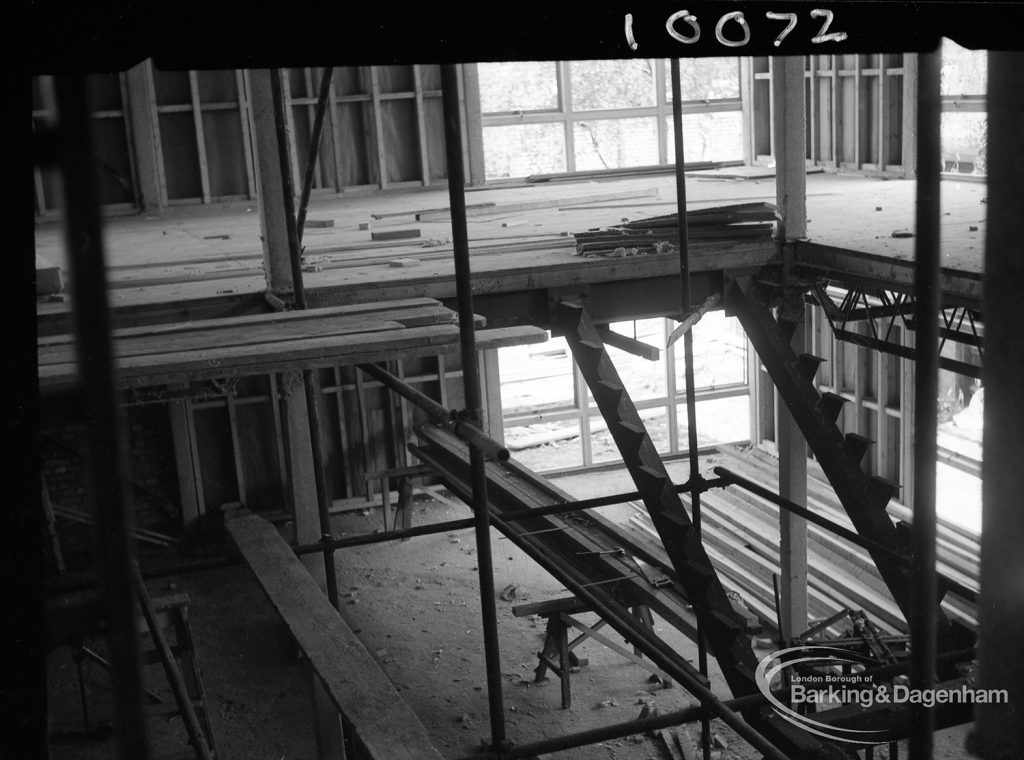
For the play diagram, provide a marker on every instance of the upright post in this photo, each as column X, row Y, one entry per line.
column 111, row 506
column 923, row 635
column 690, row 383
column 791, row 195
column 284, row 279
column 999, row 733
column 471, row 385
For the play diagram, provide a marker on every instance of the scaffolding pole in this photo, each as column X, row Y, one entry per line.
column 111, row 505
column 923, row 634
column 311, row 386
column 314, row 149
column 690, row 385
column 471, row 386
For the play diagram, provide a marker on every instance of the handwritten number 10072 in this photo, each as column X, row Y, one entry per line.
column 738, row 30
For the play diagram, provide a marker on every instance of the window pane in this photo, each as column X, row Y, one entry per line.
column 519, row 86
column 722, row 420
column 714, row 136
column 613, row 143
column 536, row 377
column 547, row 446
column 963, row 71
column 706, row 78
column 523, row 149
column 963, row 142
column 719, row 353
column 598, row 85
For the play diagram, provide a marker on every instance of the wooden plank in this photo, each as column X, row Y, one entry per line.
column 629, row 345
column 161, row 176
column 181, row 433
column 197, row 120
column 397, row 234
column 207, row 341
column 362, row 692
column 378, row 126
column 259, row 358
column 421, row 125
column 231, row 335
column 444, row 215
column 243, row 118
column 364, row 425
column 270, row 318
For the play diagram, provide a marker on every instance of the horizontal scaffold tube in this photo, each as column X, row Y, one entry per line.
column 439, row 414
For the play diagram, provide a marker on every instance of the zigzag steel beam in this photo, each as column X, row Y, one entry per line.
column 862, row 497
column 723, row 627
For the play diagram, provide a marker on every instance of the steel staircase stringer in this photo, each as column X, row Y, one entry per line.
column 724, row 629
column 863, row 498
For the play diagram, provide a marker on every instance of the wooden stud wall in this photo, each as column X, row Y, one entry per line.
column 115, row 174
column 232, row 450
column 859, row 112
column 384, row 129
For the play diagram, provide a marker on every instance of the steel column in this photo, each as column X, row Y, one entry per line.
column 923, row 641
column 471, row 385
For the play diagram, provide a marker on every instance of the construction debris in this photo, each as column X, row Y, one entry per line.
column 660, row 234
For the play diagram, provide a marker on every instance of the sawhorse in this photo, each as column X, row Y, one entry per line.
column 403, row 477
column 557, row 653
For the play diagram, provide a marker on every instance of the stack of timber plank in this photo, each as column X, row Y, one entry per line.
column 660, row 234
column 838, row 568
column 741, row 534
column 275, row 342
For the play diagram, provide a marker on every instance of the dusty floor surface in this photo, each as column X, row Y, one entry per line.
column 415, row 606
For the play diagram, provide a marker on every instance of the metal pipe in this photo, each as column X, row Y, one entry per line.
column 814, row 517
column 619, row 730
column 690, row 384
column 309, row 381
column 391, row 535
column 471, row 385
column 666, row 658
column 661, row 653
column 465, row 430
column 833, row 527
column 927, row 296
column 448, row 525
column 285, row 164
column 314, row 148
column 111, row 505
column 435, row 411
column 677, row 717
